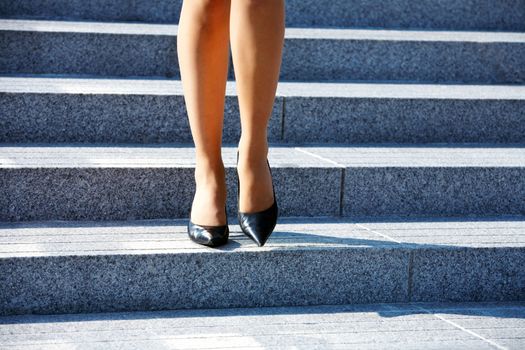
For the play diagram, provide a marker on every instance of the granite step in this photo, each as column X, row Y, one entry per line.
column 54, row 110
column 430, row 14
column 319, row 54
column 70, row 267
column 105, row 182
column 451, row 325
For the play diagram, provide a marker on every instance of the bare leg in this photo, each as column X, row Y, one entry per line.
column 203, row 49
column 257, row 38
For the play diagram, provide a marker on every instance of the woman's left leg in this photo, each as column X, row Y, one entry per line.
column 256, row 41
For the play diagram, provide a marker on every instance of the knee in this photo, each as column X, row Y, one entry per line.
column 210, row 12
column 259, row 4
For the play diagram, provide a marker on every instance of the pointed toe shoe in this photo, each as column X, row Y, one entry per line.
column 258, row 226
column 209, row 235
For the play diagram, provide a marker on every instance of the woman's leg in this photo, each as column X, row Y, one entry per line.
column 257, row 38
column 203, row 49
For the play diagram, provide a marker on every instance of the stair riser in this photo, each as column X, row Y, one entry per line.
column 75, row 284
column 424, row 191
column 303, row 59
column 138, row 193
column 52, row 118
column 445, row 14
column 103, row 118
column 403, row 120
column 423, row 61
column 147, row 193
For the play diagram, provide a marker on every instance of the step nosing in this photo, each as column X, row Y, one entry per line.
column 93, row 27
column 132, row 28
column 280, row 156
column 285, row 89
column 404, row 35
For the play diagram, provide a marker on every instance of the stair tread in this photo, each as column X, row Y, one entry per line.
column 131, row 86
column 477, row 325
column 137, row 237
column 290, row 32
column 318, row 156
column 137, row 49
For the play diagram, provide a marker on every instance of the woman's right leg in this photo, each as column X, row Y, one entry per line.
column 203, row 51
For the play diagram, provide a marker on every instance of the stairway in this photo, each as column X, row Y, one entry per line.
column 397, row 146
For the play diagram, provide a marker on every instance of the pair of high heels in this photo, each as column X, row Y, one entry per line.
column 257, row 226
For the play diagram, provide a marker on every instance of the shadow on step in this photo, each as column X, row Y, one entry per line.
column 307, row 261
column 489, row 310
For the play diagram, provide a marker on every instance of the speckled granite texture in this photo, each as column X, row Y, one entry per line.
column 484, row 274
column 63, row 267
column 422, row 61
column 105, row 118
column 397, row 148
column 54, row 110
column 105, row 193
column 443, row 14
column 403, row 120
column 309, row 54
column 111, row 283
column 124, row 182
column 434, row 191
column 76, row 183
column 409, row 326
column 99, row 54
column 441, row 180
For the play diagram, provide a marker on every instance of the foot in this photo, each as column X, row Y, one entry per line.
column 255, row 182
column 210, row 196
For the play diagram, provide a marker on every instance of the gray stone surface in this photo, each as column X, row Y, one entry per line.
column 403, row 120
column 152, row 111
column 402, row 113
column 156, row 181
column 474, row 232
column 481, row 274
column 64, row 267
column 443, row 14
column 108, row 51
column 481, row 259
column 434, row 180
column 57, row 267
column 145, row 182
column 113, row 49
column 394, row 255
column 373, row 326
column 107, row 111
column 342, row 54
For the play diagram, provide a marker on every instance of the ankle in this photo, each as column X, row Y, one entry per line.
column 210, row 175
column 253, row 152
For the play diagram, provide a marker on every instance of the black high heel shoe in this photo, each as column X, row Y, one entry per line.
column 259, row 225
column 209, row 235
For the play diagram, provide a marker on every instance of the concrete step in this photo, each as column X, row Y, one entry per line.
column 467, row 325
column 103, row 182
column 71, row 267
column 62, row 267
column 51, row 110
column 133, row 49
column 443, row 14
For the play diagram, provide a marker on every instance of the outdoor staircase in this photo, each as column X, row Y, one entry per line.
column 397, row 147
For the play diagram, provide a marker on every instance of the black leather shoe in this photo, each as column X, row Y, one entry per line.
column 209, row 235
column 259, row 225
